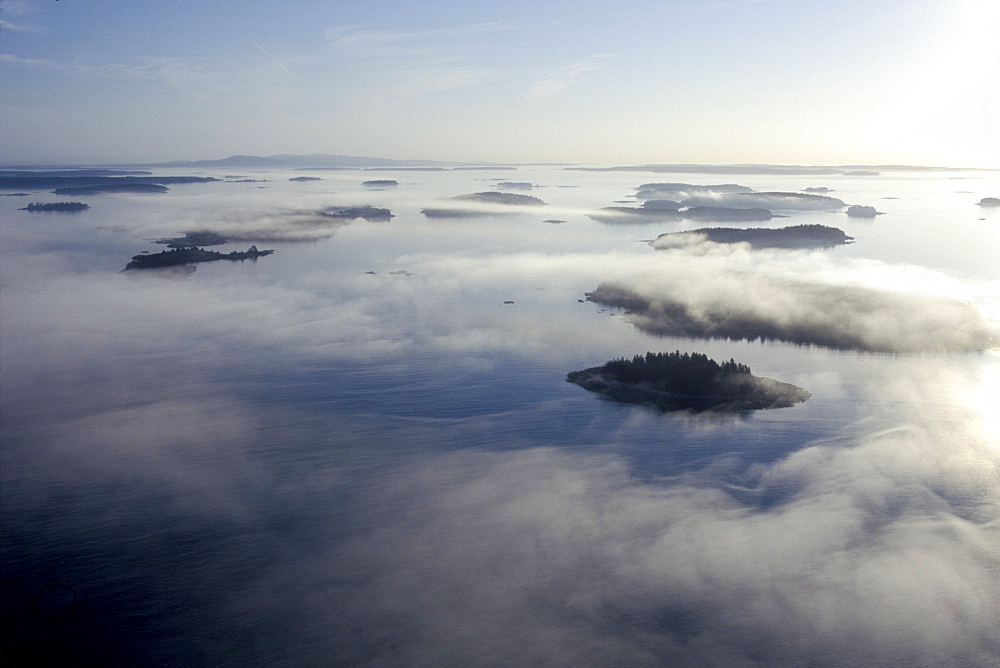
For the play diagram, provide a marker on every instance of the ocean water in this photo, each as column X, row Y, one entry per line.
column 362, row 450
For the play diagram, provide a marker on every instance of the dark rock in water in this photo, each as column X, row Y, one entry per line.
column 352, row 212
column 180, row 256
column 796, row 236
column 858, row 211
column 194, row 239
column 554, row 221
column 305, row 178
column 56, row 206
column 723, row 214
column 628, row 214
column 989, row 201
column 686, row 382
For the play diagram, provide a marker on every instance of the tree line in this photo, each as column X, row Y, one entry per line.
column 683, row 373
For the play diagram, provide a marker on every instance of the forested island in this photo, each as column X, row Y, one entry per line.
column 795, row 236
column 56, row 206
column 193, row 255
column 686, row 382
column 191, row 239
column 351, row 212
column 511, row 199
column 859, row 211
column 632, row 214
column 501, row 198
column 113, row 188
column 86, row 181
column 725, row 214
column 659, row 210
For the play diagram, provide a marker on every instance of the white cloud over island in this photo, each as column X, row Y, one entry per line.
column 738, row 305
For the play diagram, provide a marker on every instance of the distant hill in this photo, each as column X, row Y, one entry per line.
column 314, row 160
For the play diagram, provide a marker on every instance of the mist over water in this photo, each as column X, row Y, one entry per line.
column 355, row 452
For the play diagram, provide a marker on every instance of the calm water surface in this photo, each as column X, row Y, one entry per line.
column 354, row 451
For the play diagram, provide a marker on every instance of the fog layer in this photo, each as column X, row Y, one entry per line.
column 733, row 305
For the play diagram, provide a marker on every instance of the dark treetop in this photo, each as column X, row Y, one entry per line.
column 56, row 206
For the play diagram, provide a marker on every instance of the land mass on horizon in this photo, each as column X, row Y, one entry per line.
column 337, row 161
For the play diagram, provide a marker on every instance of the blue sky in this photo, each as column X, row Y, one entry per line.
column 802, row 81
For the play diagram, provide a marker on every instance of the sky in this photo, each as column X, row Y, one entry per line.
column 709, row 81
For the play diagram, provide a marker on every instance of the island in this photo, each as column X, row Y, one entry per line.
column 113, row 188
column 83, row 181
column 367, row 212
column 725, row 214
column 191, row 239
column 305, row 178
column 669, row 190
column 511, row 200
column 515, row 185
column 660, row 204
column 795, row 236
column 380, row 183
column 989, row 201
column 686, row 382
column 858, row 211
column 192, row 255
column 633, row 214
column 56, row 206
column 774, row 201
column 659, row 210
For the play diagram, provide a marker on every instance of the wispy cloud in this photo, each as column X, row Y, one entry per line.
column 19, row 27
column 555, row 82
column 163, row 69
column 182, row 74
column 375, row 42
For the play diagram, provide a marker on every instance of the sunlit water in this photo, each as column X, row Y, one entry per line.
column 295, row 461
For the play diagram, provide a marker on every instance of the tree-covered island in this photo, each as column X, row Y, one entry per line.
column 686, row 381
column 181, row 256
column 56, row 206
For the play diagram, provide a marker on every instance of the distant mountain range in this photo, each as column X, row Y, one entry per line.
column 321, row 161
column 314, row 160
column 332, row 161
